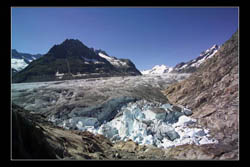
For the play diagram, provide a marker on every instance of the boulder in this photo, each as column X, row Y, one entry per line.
column 177, row 108
column 187, row 112
column 108, row 131
column 172, row 117
column 172, row 135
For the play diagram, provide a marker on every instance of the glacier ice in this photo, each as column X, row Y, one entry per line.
column 145, row 123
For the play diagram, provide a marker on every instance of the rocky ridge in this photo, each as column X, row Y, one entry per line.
column 73, row 60
column 192, row 65
column 213, row 95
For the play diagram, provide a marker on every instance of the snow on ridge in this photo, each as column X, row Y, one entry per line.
column 91, row 60
column 18, row 64
column 202, row 57
column 207, row 54
column 113, row 61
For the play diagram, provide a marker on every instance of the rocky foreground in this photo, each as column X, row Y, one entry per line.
column 34, row 137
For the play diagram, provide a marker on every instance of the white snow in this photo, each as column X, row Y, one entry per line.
column 158, row 69
column 209, row 53
column 91, row 60
column 113, row 61
column 205, row 54
column 18, row 64
column 183, row 66
column 59, row 75
column 105, row 57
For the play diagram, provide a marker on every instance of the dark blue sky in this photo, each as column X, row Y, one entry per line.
column 147, row 36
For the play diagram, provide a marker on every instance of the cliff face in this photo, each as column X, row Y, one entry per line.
column 213, row 95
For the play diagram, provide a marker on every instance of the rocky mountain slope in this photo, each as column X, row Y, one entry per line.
column 21, row 60
column 72, row 59
column 212, row 92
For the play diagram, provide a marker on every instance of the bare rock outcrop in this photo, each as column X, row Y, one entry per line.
column 213, row 95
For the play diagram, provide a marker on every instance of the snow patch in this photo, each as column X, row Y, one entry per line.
column 59, row 75
column 113, row 61
column 95, row 61
column 18, row 64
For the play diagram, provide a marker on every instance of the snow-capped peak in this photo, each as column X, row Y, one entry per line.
column 21, row 60
column 158, row 69
column 194, row 63
column 213, row 48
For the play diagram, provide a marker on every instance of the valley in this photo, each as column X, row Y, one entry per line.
column 174, row 114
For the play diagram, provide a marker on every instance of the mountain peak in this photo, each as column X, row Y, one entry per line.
column 74, row 60
column 71, row 48
column 71, row 41
column 14, row 50
column 215, row 46
column 160, row 66
column 158, row 69
column 193, row 64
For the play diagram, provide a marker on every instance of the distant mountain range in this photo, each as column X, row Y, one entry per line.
column 158, row 69
column 71, row 60
column 21, row 60
column 182, row 67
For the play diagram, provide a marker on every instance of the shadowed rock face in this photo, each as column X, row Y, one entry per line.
column 72, row 60
column 212, row 94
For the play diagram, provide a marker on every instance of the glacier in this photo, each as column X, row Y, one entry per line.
column 120, row 108
column 146, row 123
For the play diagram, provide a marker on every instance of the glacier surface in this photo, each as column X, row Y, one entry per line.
column 146, row 123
